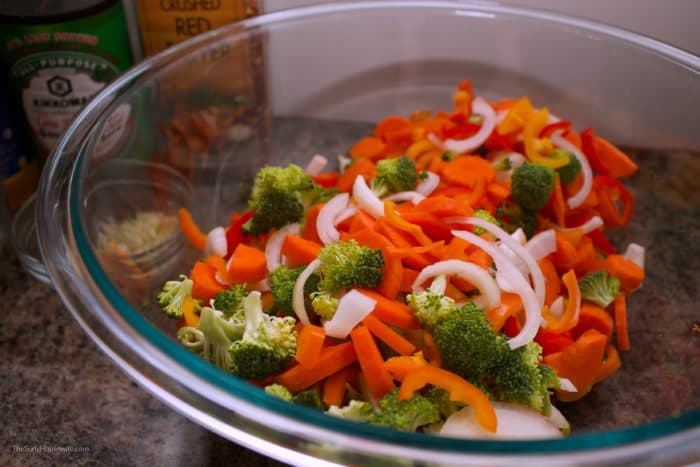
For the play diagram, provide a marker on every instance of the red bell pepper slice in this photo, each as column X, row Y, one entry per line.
column 547, row 131
column 234, row 233
column 609, row 192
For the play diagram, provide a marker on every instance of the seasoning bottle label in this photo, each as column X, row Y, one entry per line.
column 57, row 68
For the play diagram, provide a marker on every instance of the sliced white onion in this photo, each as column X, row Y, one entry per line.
column 488, row 123
column 533, row 316
column 559, row 421
column 298, row 292
column 427, row 186
column 325, row 222
column 585, row 190
column 353, row 307
column 490, row 295
column 566, row 385
column 589, row 226
column 542, row 244
column 221, row 280
column 343, row 162
column 515, row 421
column 366, row 199
column 412, row 196
column 316, row 165
column 551, row 118
column 262, row 285
column 556, row 309
column 500, row 116
column 519, row 236
column 439, row 285
column 216, row 242
column 516, row 159
column 635, row 253
column 273, row 247
column 533, row 268
column 346, row 213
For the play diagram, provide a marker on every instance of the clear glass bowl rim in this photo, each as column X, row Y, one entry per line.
column 136, row 334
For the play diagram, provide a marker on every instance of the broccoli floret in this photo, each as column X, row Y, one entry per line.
column 393, row 175
column 218, row 333
column 356, row 411
column 600, row 288
column 470, row 348
column 513, row 217
column 532, row 185
column 230, row 302
column 277, row 198
column 173, row 294
column 440, row 398
column 347, row 264
column 324, row 305
column 267, row 344
column 408, row 415
column 279, row 391
column 448, row 156
column 429, row 307
column 503, row 164
column 488, row 217
column 569, row 172
column 282, row 280
column 310, row 398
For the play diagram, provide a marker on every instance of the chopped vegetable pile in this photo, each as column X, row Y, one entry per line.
column 450, row 278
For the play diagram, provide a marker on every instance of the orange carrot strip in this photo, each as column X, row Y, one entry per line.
column 390, row 126
column 511, row 305
column 402, row 252
column 387, row 335
column 552, row 283
column 467, row 170
column 191, row 318
column 368, row 148
column 361, row 221
column 399, row 239
column 309, row 232
column 247, row 265
column 593, row 317
column 481, row 258
column 631, row 276
column 476, row 195
column 332, row 359
column 429, row 223
column 408, row 277
column 309, row 344
column 432, row 353
column 615, row 162
column 557, row 203
column 391, row 312
column 497, row 191
column 363, row 167
column 378, row 378
column 392, row 273
column 460, row 390
column 565, row 256
column 402, row 224
column 205, row 287
column 190, row 229
column 267, row 301
column 454, row 293
column 623, row 340
column 445, row 206
column 299, row 251
column 334, row 386
column 570, row 316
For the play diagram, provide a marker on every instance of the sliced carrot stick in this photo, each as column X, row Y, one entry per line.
column 299, row 251
column 387, row 335
column 309, row 344
column 368, row 148
column 429, row 223
column 631, row 276
column 332, row 359
column 360, row 221
column 392, row 273
column 390, row 126
column 570, row 316
column 391, row 312
column 552, row 283
column 408, row 277
column 481, row 258
column 309, row 232
column 557, row 204
column 617, row 164
column 190, row 229
column 402, row 240
column 363, row 167
column 460, row 390
column 445, row 206
column 247, row 265
column 593, row 317
column 205, row 287
column 335, row 385
column 623, row 340
column 402, row 224
column 454, row 293
column 378, row 378
column 475, row 198
column 497, row 191
column 403, row 252
column 467, row 170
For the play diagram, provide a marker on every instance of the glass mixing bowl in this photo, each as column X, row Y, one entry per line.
column 193, row 124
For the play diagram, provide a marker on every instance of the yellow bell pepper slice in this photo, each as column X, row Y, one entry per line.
column 533, row 143
column 517, row 116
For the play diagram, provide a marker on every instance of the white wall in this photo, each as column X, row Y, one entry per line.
column 676, row 22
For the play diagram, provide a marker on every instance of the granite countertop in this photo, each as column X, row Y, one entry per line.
column 64, row 402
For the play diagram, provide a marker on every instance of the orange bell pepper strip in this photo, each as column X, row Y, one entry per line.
column 191, row 318
column 190, row 229
column 399, row 367
column 570, row 316
column 364, row 167
column 616, row 163
column 631, row 276
column 368, row 148
column 205, row 287
column 623, row 339
column 593, row 317
column 460, row 390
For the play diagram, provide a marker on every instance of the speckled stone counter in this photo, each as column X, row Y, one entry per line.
column 62, row 401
